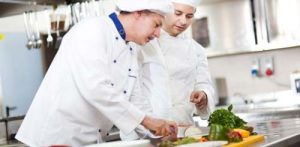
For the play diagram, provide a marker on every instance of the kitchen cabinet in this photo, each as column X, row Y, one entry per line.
column 244, row 26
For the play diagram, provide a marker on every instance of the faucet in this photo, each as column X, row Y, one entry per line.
column 246, row 99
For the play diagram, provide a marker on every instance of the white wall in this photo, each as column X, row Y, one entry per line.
column 236, row 70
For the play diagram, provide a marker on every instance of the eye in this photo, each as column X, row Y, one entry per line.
column 189, row 16
column 178, row 12
column 157, row 25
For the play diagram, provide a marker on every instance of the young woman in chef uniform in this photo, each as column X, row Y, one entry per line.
column 174, row 71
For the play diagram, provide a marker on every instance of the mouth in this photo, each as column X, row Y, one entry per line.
column 181, row 28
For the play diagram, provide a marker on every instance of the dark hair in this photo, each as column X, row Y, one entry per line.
column 124, row 12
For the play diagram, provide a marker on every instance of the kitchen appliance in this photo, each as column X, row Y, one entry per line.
column 221, row 91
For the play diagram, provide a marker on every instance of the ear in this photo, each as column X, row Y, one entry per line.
column 137, row 14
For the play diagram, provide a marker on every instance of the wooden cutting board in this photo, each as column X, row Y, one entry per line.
column 247, row 141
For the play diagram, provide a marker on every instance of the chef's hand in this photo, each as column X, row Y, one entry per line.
column 199, row 98
column 160, row 127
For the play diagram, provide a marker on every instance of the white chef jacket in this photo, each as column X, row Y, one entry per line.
column 87, row 88
column 172, row 67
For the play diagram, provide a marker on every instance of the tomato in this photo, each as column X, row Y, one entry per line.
column 243, row 132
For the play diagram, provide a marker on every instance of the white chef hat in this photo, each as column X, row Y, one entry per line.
column 193, row 3
column 162, row 7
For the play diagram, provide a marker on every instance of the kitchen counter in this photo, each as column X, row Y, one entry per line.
column 7, row 119
column 279, row 133
column 280, row 126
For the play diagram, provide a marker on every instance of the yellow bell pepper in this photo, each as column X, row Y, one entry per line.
column 243, row 132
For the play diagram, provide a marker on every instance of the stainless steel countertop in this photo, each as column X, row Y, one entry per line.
column 12, row 118
column 278, row 133
column 280, row 126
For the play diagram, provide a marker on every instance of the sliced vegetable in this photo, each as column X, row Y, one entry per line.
column 234, row 136
column 166, row 144
column 192, row 131
column 248, row 128
column 243, row 132
column 217, row 132
column 203, row 139
column 185, row 140
column 254, row 133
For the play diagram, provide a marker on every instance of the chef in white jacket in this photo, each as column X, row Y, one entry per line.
column 174, row 71
column 91, row 81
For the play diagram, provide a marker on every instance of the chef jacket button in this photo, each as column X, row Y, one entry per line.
column 115, row 61
column 124, row 91
column 129, row 69
column 130, row 49
column 112, row 84
column 117, row 38
column 99, row 130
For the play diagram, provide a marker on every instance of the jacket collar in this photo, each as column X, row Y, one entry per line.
column 113, row 16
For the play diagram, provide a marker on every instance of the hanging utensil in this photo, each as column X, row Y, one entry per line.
column 77, row 12
column 57, row 24
column 49, row 37
column 82, row 11
column 58, row 29
column 29, row 44
column 74, row 15
column 32, row 30
column 68, row 18
column 37, row 32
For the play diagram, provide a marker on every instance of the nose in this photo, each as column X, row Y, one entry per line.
column 182, row 20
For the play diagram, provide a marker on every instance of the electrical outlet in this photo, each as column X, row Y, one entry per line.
column 268, row 63
column 255, row 67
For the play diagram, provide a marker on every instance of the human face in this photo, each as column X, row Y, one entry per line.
column 180, row 20
column 148, row 27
